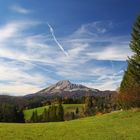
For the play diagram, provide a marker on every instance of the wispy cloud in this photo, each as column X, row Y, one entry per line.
column 19, row 9
column 18, row 89
column 34, row 61
column 116, row 53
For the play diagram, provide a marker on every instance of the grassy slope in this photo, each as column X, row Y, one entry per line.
column 114, row 126
column 67, row 108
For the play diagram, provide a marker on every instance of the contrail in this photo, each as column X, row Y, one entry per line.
column 40, row 67
column 56, row 41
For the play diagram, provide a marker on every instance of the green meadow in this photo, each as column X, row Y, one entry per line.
column 121, row 125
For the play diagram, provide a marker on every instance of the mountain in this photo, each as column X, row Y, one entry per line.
column 65, row 88
column 61, row 89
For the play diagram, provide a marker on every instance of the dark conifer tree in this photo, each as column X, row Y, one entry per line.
column 52, row 113
column 60, row 112
column 45, row 116
column 130, row 85
column 77, row 110
column 34, row 117
column 20, row 116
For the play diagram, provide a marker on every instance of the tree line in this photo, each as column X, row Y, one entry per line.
column 14, row 113
column 95, row 105
column 54, row 113
column 11, row 113
column 92, row 106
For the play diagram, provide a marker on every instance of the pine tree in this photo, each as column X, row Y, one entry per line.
column 20, row 116
column 52, row 113
column 34, row 117
column 45, row 116
column 60, row 112
column 130, row 85
column 77, row 110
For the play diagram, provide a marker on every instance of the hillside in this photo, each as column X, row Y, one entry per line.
column 67, row 108
column 114, row 126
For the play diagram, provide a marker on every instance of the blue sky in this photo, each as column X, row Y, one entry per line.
column 42, row 42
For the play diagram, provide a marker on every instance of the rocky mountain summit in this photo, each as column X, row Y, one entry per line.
column 64, row 85
column 65, row 88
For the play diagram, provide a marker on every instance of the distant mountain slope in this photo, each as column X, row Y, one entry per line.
column 65, row 88
column 64, row 85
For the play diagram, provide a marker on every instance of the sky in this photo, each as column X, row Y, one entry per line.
column 44, row 41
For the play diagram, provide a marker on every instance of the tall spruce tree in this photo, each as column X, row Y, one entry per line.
column 60, row 112
column 45, row 115
column 130, row 85
column 34, row 117
column 52, row 113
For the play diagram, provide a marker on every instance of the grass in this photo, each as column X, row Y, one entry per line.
column 67, row 108
column 124, row 125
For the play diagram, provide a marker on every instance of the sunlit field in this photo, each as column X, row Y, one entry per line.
column 122, row 125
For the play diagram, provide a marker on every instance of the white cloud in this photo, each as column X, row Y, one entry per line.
column 17, row 70
column 106, row 81
column 34, row 60
column 18, row 89
column 116, row 53
column 19, row 9
column 91, row 29
column 13, row 29
column 19, row 80
column 106, row 85
column 10, row 73
column 8, row 31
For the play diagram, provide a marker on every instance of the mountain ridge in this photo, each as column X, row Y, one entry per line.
column 65, row 88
